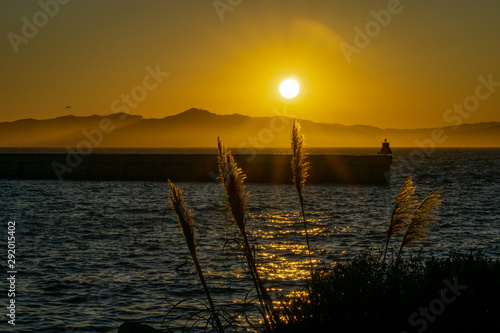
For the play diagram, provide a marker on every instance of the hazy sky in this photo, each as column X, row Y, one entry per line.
column 382, row 63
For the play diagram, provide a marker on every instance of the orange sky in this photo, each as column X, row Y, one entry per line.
column 381, row 63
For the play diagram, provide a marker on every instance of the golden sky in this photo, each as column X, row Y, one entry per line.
column 398, row 64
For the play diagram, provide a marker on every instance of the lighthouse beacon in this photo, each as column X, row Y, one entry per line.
column 386, row 150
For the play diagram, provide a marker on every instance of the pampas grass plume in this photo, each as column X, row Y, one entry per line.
column 183, row 214
column 402, row 211
column 422, row 218
column 232, row 181
column 300, row 166
column 187, row 226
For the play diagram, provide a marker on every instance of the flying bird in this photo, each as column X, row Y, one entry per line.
column 68, row 107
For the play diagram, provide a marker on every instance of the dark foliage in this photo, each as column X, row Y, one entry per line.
column 402, row 295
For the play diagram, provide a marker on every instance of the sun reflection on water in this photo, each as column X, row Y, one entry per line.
column 282, row 250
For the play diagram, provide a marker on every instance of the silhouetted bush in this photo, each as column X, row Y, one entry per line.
column 460, row 293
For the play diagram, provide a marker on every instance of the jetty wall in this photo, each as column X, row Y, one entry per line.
column 263, row 168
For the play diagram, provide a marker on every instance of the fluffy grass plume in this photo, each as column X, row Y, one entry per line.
column 231, row 179
column 183, row 214
column 422, row 218
column 402, row 211
column 187, row 226
column 300, row 168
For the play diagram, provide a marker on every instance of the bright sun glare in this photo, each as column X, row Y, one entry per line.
column 289, row 88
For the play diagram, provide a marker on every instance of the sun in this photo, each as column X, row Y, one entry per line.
column 289, row 88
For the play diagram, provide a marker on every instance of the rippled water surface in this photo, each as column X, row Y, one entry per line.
column 91, row 255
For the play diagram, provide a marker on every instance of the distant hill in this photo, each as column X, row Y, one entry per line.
column 200, row 128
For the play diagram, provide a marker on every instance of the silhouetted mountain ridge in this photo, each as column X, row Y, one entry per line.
column 55, row 131
column 191, row 114
column 200, row 128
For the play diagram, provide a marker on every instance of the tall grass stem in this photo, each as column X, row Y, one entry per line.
column 231, row 179
column 187, row 226
column 402, row 211
column 300, row 170
column 422, row 218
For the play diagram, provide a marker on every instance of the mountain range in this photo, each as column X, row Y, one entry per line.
column 200, row 128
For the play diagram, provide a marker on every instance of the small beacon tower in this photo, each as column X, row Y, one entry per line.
column 385, row 148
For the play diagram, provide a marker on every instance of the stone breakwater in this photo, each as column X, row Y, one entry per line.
column 262, row 168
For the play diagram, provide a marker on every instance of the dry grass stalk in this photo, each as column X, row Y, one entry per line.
column 402, row 211
column 183, row 214
column 422, row 218
column 300, row 168
column 232, row 179
column 187, row 226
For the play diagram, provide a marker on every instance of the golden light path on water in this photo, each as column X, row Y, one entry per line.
column 282, row 251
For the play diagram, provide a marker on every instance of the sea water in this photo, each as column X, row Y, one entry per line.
column 93, row 254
